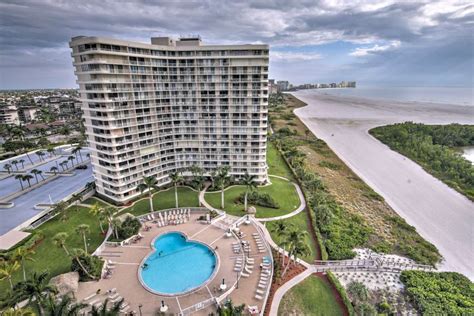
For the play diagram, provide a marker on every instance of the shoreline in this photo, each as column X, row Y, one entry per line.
column 422, row 200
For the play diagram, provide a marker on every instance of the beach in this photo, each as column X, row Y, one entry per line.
column 440, row 214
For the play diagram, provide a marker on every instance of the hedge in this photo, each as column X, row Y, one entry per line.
column 342, row 292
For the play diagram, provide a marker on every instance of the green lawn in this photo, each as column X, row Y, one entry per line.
column 165, row 199
column 312, row 297
column 300, row 223
column 49, row 257
column 276, row 163
column 93, row 200
column 282, row 191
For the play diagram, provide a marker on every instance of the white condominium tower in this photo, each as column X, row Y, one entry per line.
column 152, row 109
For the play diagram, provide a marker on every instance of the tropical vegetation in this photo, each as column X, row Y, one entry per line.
column 434, row 147
column 439, row 293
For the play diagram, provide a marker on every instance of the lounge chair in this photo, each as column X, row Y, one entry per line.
column 118, row 298
column 258, row 297
column 245, row 275
column 260, row 291
column 90, row 296
column 248, row 270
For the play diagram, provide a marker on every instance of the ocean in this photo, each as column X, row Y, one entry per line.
column 444, row 95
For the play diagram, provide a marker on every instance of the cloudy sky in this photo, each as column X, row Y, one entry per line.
column 423, row 43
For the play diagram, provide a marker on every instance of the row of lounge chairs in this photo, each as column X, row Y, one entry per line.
column 259, row 242
column 174, row 217
column 264, row 281
column 97, row 300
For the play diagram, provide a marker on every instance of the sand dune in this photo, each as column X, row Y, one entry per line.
column 440, row 214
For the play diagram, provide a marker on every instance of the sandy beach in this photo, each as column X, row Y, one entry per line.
column 439, row 213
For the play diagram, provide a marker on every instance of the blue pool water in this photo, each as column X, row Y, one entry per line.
column 177, row 265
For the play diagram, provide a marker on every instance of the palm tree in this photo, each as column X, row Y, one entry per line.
column 298, row 246
column 148, row 184
column 15, row 162
column 115, row 223
column 22, row 161
column 54, row 169
column 37, row 172
column 176, row 178
column 63, row 306
column 229, row 309
column 222, row 181
column 281, row 229
column 36, row 289
column 60, row 241
column 114, row 310
column 98, row 211
column 40, row 155
column 20, row 178
column 197, row 174
column 83, row 230
column 71, row 159
column 7, row 269
column 64, row 163
column 7, row 167
column 51, row 151
column 77, row 150
column 76, row 254
column 21, row 255
column 249, row 182
column 28, row 177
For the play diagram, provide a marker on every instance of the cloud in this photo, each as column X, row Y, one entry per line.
column 34, row 35
column 364, row 51
column 293, row 56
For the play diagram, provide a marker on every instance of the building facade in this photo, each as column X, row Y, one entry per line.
column 153, row 109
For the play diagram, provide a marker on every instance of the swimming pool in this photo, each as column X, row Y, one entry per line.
column 177, row 265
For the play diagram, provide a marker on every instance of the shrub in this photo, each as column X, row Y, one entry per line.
column 92, row 264
column 445, row 293
column 342, row 292
column 260, row 199
column 129, row 227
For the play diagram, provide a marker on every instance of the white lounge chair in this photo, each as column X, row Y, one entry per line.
column 258, row 297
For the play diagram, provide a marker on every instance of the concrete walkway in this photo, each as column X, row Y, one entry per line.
column 277, row 297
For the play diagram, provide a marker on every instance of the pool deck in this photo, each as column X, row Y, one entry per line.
column 128, row 258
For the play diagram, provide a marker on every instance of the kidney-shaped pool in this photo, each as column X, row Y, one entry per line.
column 177, row 265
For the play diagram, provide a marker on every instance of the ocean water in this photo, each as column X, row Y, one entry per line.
column 445, row 95
column 468, row 153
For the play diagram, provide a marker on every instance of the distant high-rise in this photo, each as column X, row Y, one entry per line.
column 154, row 109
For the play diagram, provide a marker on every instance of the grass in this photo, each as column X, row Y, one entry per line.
column 281, row 190
column 300, row 223
column 313, row 297
column 165, row 199
column 47, row 256
column 276, row 163
column 94, row 200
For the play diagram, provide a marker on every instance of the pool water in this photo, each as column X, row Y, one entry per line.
column 177, row 265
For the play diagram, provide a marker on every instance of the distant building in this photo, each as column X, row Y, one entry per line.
column 333, row 85
column 283, row 85
column 351, row 84
column 272, row 86
column 27, row 113
column 9, row 115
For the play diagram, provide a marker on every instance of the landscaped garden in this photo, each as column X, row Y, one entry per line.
column 298, row 222
column 165, row 199
column 281, row 191
column 313, row 296
column 46, row 255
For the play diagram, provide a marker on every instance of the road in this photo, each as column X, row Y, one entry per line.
column 440, row 214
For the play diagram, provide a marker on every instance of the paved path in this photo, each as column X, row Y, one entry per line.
column 440, row 214
column 277, row 297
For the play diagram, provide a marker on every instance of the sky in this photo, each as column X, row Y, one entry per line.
column 376, row 43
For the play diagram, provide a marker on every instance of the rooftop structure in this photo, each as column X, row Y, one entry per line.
column 153, row 109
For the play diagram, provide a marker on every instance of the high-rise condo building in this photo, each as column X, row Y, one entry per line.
column 153, row 109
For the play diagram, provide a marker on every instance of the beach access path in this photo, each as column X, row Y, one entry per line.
column 440, row 214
